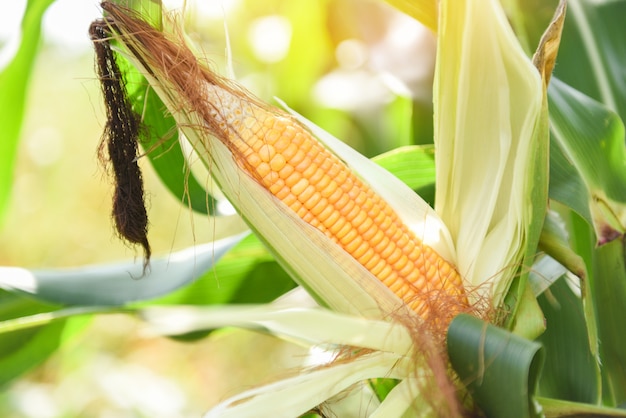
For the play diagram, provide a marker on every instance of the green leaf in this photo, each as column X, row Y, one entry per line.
column 246, row 274
column 560, row 408
column 554, row 242
column 592, row 56
column 414, row 165
column 116, row 284
column 604, row 295
column 609, row 291
column 499, row 368
column 592, row 138
column 46, row 318
column 14, row 80
column 566, row 185
column 23, row 350
column 305, row 61
column 570, row 371
column 35, row 345
column 382, row 387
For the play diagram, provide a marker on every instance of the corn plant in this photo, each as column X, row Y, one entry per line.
column 502, row 297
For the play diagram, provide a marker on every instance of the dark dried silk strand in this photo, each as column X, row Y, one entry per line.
column 120, row 136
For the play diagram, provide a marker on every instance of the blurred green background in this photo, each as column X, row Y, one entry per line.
column 357, row 68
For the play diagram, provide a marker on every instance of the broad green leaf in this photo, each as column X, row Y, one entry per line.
column 14, row 80
column 570, row 370
column 414, row 165
column 116, row 284
column 500, row 369
column 566, row 185
column 25, row 349
column 35, row 346
column 592, row 137
column 583, row 243
column 593, row 56
column 609, row 291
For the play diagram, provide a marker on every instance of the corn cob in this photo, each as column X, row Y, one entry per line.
column 289, row 162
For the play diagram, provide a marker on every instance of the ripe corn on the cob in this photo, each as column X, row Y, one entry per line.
column 289, row 162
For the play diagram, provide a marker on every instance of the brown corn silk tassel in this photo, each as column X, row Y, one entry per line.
column 120, row 138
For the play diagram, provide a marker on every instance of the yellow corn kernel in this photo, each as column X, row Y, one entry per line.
column 320, row 189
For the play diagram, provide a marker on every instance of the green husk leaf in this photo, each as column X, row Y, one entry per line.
column 309, row 326
column 499, row 368
column 489, row 96
column 297, row 395
column 528, row 320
